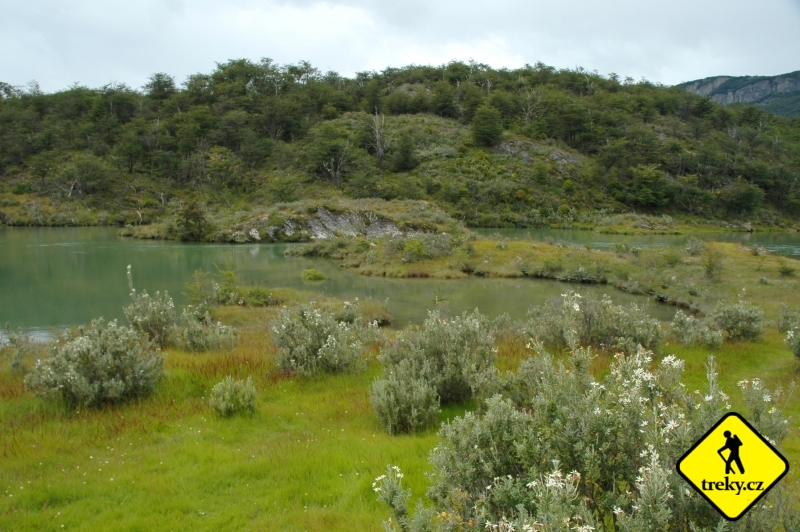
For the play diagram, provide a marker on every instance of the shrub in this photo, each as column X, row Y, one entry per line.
column 314, row 275
column 152, row 315
column 793, row 341
column 713, row 262
column 691, row 331
column 790, row 319
column 311, row 341
column 573, row 320
column 228, row 291
column 739, row 321
column 196, row 331
column 20, row 349
column 230, row 396
column 694, row 246
column 259, row 296
column 505, row 468
column 452, row 354
column 404, row 401
column 487, row 126
column 784, row 269
column 413, row 250
column 104, row 363
column 192, row 222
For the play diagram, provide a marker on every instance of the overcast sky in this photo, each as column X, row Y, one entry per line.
column 94, row 42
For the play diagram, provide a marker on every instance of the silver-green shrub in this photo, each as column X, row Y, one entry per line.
column 231, row 396
column 103, row 363
column 311, row 341
column 196, row 331
column 153, row 315
column 447, row 360
column 691, row 331
column 404, row 401
column 793, row 341
column 573, row 320
column 389, row 488
column 452, row 354
column 790, row 319
column 695, row 246
column 569, row 452
column 739, row 321
column 20, row 349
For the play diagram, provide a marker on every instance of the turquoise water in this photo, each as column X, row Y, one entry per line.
column 52, row 278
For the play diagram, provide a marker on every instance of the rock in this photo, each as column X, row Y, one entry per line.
column 748, row 227
column 518, row 149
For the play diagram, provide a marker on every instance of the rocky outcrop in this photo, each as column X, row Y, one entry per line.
column 370, row 219
column 758, row 90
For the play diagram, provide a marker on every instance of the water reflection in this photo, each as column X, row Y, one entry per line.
column 58, row 277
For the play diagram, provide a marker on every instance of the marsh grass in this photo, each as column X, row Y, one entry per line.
column 304, row 460
column 696, row 282
column 308, row 456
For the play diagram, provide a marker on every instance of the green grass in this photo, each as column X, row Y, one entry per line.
column 305, row 461
column 314, row 275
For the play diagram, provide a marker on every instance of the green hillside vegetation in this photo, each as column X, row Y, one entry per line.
column 524, row 147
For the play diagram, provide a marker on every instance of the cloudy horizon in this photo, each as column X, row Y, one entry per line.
column 94, row 43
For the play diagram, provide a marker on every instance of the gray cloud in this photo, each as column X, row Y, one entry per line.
column 94, row 42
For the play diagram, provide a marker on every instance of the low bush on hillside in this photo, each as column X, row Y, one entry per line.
column 573, row 453
column 572, row 320
column 691, row 331
column 694, row 246
column 20, row 350
column 102, row 363
column 447, row 360
column 404, row 400
column 311, row 341
column 231, row 396
column 790, row 319
column 739, row 321
column 152, row 315
column 193, row 330
column 196, row 331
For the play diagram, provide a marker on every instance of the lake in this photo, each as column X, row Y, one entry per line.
column 52, row 278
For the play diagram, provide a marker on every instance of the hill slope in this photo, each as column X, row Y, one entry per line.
column 520, row 147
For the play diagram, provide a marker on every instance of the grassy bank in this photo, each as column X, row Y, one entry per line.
column 304, row 461
column 720, row 271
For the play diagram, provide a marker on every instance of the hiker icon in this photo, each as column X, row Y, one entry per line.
column 732, row 443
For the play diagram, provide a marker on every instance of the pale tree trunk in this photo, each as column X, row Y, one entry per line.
column 376, row 126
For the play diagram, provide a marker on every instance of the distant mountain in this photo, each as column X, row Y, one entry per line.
column 777, row 94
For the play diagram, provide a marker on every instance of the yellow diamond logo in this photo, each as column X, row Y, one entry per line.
column 732, row 466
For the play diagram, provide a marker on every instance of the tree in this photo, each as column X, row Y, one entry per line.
column 443, row 102
column 160, row 86
column 403, row 158
column 192, row 223
column 487, row 126
column 377, row 140
column 741, row 197
column 87, row 174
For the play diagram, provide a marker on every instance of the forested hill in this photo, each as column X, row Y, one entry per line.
column 776, row 94
column 492, row 147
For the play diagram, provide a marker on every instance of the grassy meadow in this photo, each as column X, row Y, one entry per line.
column 307, row 459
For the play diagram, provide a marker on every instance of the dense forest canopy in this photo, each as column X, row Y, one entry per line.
column 492, row 146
